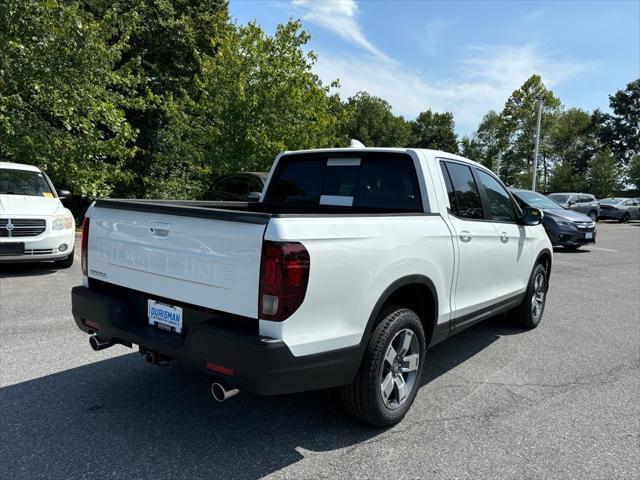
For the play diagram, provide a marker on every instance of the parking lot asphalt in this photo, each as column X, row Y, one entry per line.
column 561, row 401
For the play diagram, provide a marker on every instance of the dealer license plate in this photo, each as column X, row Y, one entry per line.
column 166, row 317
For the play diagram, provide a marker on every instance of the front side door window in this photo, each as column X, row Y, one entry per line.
column 500, row 204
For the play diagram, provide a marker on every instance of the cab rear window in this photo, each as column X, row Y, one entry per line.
column 376, row 180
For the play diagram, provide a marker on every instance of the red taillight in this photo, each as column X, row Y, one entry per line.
column 283, row 279
column 84, row 244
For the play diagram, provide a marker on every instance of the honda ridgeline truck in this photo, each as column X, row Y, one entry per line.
column 350, row 266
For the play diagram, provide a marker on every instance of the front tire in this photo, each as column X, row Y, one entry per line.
column 388, row 379
column 529, row 313
column 625, row 218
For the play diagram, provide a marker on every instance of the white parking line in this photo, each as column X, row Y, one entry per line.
column 600, row 248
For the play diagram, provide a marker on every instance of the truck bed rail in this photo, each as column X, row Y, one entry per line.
column 188, row 208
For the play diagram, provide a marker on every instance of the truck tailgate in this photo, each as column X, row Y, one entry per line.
column 201, row 256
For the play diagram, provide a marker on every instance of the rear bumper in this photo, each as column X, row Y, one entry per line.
column 260, row 365
column 610, row 215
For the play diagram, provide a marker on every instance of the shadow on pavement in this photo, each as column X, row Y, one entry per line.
column 122, row 418
column 26, row 269
column 565, row 250
column 459, row 348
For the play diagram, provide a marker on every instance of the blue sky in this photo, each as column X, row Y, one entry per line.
column 464, row 56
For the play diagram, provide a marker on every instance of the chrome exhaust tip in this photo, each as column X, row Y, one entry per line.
column 221, row 392
column 97, row 344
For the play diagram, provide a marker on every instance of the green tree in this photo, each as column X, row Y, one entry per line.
column 371, row 121
column 633, row 173
column 572, row 138
column 620, row 131
column 61, row 100
column 154, row 97
column 571, row 143
column 257, row 97
column 434, row 130
column 518, row 129
column 166, row 45
column 487, row 143
column 564, row 178
column 603, row 174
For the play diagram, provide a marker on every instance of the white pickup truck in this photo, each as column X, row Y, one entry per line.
column 350, row 266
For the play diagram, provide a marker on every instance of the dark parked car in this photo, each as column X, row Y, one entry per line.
column 237, row 187
column 564, row 227
column 619, row 208
column 579, row 202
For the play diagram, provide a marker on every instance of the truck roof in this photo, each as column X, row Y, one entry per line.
column 428, row 151
column 19, row 166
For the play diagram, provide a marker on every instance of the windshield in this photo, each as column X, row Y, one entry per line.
column 536, row 200
column 559, row 197
column 611, row 201
column 24, row 182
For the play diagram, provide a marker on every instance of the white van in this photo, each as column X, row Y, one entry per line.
column 34, row 225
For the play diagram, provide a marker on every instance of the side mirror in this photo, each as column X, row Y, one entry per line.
column 62, row 194
column 254, row 196
column 532, row 216
column 571, row 203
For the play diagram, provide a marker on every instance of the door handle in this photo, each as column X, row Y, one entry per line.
column 504, row 237
column 465, row 236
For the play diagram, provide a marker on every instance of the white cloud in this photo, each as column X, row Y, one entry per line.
column 338, row 16
column 431, row 38
column 482, row 77
column 485, row 77
column 514, row 64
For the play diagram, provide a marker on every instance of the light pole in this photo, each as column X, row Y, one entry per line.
column 535, row 152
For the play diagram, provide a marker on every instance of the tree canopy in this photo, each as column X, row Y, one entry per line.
column 434, row 130
column 579, row 150
column 370, row 120
column 155, row 98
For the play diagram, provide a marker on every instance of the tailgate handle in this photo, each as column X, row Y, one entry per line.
column 160, row 229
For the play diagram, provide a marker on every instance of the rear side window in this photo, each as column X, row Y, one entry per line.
column 468, row 203
column 450, row 192
column 380, row 181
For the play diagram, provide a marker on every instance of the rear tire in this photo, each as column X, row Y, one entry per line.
column 65, row 262
column 529, row 313
column 625, row 218
column 388, row 379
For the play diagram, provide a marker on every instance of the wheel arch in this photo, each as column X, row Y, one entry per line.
column 416, row 292
column 545, row 258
